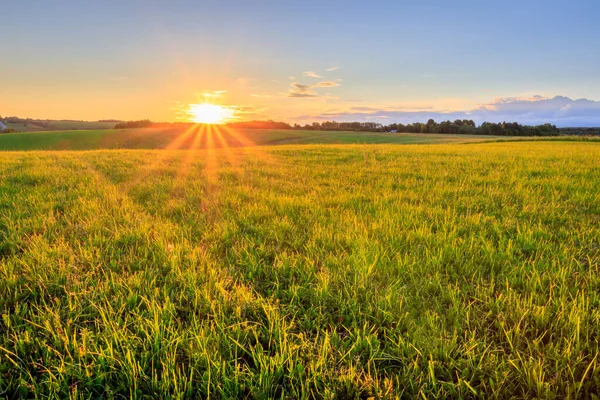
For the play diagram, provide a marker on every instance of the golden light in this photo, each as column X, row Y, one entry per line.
column 209, row 113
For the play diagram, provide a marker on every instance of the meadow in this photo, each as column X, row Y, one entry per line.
column 209, row 137
column 39, row 126
column 313, row 271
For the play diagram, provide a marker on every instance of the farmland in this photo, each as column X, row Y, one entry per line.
column 313, row 271
column 208, row 137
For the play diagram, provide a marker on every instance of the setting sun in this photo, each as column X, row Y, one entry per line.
column 209, row 113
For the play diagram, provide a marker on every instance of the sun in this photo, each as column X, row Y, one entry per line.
column 209, row 113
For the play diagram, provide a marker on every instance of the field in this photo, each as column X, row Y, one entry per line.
column 314, row 271
column 36, row 126
column 203, row 137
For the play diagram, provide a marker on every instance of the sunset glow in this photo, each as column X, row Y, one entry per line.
column 209, row 113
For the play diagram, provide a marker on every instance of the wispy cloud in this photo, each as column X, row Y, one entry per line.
column 215, row 93
column 260, row 95
column 332, row 69
column 364, row 109
column 311, row 74
column 298, row 90
column 517, row 99
column 247, row 111
column 327, row 84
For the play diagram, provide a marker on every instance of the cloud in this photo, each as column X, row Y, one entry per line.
column 215, row 93
column 332, row 69
column 311, row 74
column 365, row 109
column 327, row 84
column 298, row 90
column 260, row 95
column 248, row 110
column 507, row 100
column 531, row 110
column 559, row 110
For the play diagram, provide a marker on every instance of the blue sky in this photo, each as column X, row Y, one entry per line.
column 136, row 59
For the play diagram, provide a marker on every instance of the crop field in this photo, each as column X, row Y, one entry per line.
column 313, row 271
column 199, row 137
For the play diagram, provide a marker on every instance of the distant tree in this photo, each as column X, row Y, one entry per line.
column 143, row 123
column 270, row 124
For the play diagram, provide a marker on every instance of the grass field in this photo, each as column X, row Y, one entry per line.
column 211, row 137
column 34, row 126
column 312, row 271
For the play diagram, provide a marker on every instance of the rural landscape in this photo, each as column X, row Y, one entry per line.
column 295, row 236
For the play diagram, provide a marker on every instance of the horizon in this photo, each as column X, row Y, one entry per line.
column 384, row 62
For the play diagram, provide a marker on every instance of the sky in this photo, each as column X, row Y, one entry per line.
column 387, row 61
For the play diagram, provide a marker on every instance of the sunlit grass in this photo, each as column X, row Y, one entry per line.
column 301, row 271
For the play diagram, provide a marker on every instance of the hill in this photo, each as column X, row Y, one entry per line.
column 32, row 125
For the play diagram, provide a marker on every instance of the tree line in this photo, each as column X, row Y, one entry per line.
column 142, row 123
column 461, row 127
column 458, row 126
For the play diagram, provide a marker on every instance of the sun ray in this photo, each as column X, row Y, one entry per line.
column 210, row 167
column 162, row 156
column 225, row 146
column 180, row 139
column 246, row 142
column 250, row 146
column 191, row 153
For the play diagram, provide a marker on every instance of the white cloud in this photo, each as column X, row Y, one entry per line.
column 332, row 69
column 530, row 110
column 327, row 84
column 311, row 74
column 300, row 90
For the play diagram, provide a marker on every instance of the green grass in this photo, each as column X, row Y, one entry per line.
column 158, row 138
column 302, row 272
column 32, row 126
